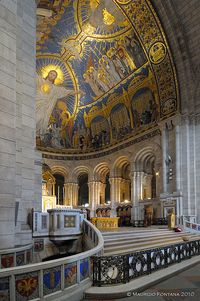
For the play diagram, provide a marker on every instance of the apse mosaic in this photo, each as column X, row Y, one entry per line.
column 104, row 73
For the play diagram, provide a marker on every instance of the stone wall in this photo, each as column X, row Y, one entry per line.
column 180, row 20
column 17, row 120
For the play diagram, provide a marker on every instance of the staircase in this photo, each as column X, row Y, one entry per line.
column 128, row 240
column 138, row 239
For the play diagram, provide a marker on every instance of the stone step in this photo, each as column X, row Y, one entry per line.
column 134, row 231
column 126, row 240
column 123, row 249
column 134, row 239
column 138, row 233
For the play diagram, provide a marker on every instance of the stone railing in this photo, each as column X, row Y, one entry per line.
column 112, row 270
column 52, row 279
column 191, row 227
column 16, row 256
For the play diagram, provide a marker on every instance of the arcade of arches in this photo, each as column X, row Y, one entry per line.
column 132, row 179
column 117, row 109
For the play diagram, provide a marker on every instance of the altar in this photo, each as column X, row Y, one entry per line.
column 105, row 222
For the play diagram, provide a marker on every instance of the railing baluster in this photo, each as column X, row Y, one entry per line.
column 149, row 262
column 78, row 272
column 126, row 268
column 99, row 270
column 12, row 288
column 166, row 257
column 40, row 277
column 62, row 277
column 179, row 253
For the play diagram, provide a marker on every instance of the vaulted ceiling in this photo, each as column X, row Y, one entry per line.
column 114, row 72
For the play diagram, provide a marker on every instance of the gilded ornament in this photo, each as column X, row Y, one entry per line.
column 88, row 29
column 94, row 4
column 108, row 18
column 157, row 52
column 45, row 88
column 124, row 1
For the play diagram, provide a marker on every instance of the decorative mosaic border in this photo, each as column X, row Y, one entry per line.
column 101, row 154
column 150, row 32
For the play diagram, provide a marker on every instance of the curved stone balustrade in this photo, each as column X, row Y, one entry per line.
column 16, row 256
column 52, row 279
column 190, row 226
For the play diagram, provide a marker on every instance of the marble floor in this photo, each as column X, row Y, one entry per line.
column 133, row 229
column 184, row 286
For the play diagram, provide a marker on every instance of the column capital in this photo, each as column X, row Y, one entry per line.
column 94, row 183
column 70, row 184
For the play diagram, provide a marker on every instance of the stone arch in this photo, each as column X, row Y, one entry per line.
column 78, row 171
column 143, row 158
column 119, row 166
column 147, row 163
column 60, row 170
column 100, row 171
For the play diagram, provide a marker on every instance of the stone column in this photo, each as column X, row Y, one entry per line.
column 197, row 163
column 71, row 194
column 67, row 201
column 74, row 189
column 91, row 199
column 148, row 186
column 179, row 205
column 125, row 189
column 94, row 195
column 75, row 194
column 115, row 197
column 103, row 193
column 54, row 188
column 137, row 193
column 164, row 158
column 158, row 178
column 187, row 158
